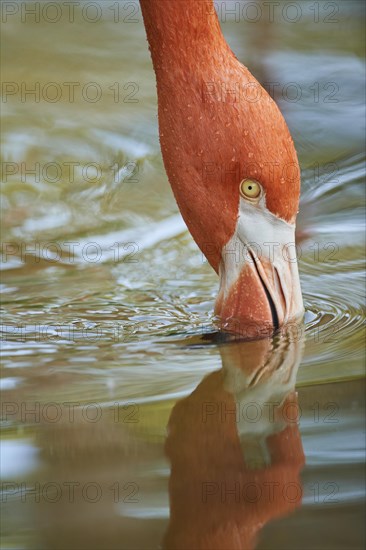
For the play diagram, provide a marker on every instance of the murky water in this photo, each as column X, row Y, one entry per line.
column 117, row 430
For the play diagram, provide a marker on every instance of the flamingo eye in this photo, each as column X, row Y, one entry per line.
column 250, row 189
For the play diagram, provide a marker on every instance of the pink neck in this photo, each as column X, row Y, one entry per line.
column 178, row 30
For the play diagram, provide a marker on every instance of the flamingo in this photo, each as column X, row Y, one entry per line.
column 231, row 163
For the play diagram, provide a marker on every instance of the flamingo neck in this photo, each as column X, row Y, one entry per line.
column 179, row 31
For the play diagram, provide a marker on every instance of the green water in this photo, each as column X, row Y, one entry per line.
column 107, row 307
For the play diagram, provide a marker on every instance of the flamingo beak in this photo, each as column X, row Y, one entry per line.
column 259, row 279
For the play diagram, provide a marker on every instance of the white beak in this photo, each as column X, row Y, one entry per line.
column 259, row 279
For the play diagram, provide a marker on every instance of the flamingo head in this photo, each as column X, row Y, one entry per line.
column 234, row 172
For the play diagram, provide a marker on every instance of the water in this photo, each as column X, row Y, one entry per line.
column 112, row 345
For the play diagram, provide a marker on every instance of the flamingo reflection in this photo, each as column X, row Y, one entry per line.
column 235, row 449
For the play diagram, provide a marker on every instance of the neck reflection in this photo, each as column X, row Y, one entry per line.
column 235, row 449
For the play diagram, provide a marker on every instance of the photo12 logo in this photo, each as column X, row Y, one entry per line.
column 69, row 492
column 251, row 11
column 69, row 92
column 120, row 11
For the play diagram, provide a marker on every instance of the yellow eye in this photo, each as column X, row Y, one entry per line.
column 250, row 189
